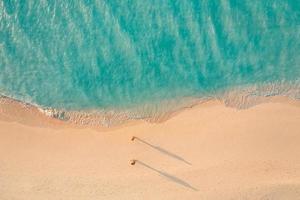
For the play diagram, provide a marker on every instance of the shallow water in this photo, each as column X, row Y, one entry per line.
column 109, row 54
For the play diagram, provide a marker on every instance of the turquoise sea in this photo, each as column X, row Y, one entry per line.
column 111, row 55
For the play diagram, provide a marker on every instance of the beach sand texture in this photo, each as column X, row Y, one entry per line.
column 206, row 152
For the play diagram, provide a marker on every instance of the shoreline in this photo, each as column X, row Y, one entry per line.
column 239, row 97
column 16, row 110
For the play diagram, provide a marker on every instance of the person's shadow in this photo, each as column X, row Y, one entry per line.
column 161, row 150
column 167, row 176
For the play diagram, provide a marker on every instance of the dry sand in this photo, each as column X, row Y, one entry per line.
column 207, row 152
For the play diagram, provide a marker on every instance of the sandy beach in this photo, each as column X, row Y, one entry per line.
column 209, row 151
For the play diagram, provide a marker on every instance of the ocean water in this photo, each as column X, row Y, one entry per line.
column 111, row 55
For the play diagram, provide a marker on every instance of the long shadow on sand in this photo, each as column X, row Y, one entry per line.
column 168, row 176
column 161, row 150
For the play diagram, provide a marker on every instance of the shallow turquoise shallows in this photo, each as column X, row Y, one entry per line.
column 105, row 54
